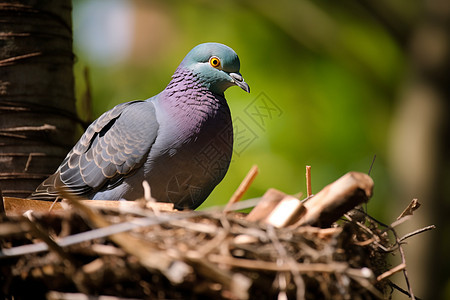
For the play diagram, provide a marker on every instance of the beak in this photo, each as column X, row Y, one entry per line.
column 239, row 81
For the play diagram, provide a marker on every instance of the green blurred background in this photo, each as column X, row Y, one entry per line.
column 331, row 78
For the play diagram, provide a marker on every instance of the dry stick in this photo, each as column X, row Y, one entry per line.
column 391, row 272
column 237, row 283
column 308, row 181
column 371, row 165
column 375, row 239
column 399, row 221
column 87, row 235
column 402, row 254
column 12, row 60
column 148, row 256
column 406, row 236
column 368, row 173
column 243, row 187
column 394, row 286
column 57, row 199
column 53, row 245
column 149, row 200
column 54, row 295
column 214, row 243
column 405, row 273
column 252, row 264
column 365, row 283
column 298, row 280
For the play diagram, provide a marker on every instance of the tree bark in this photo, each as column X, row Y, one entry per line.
column 37, row 103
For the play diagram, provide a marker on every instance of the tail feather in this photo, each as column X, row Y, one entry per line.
column 51, row 188
column 48, row 189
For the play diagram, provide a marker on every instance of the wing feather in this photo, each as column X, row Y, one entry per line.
column 113, row 146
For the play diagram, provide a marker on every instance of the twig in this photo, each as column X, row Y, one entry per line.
column 243, row 187
column 400, row 221
column 359, row 275
column 368, row 173
column 51, row 244
column 149, row 256
column 290, row 261
column 54, row 295
column 375, row 238
column 14, row 59
column 102, row 249
column 88, row 235
column 218, row 240
column 149, row 200
column 406, row 236
column 366, row 284
column 57, row 199
column 371, row 165
column 308, row 181
column 391, row 272
column 402, row 253
column 393, row 285
column 252, row 264
column 237, row 283
column 195, row 226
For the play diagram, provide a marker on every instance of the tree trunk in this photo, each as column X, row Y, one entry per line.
column 420, row 149
column 37, row 103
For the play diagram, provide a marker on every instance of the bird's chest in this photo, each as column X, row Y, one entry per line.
column 194, row 137
column 189, row 157
column 194, row 125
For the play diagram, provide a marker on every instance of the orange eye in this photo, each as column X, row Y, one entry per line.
column 214, row 62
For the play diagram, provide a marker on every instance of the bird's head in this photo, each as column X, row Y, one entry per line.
column 216, row 65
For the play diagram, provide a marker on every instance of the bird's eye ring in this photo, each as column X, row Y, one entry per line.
column 214, row 62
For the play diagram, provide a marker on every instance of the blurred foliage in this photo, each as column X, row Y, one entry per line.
column 330, row 68
column 335, row 95
column 332, row 71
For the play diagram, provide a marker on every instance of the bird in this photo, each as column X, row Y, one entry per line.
column 180, row 141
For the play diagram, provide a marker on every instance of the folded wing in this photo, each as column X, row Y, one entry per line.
column 113, row 147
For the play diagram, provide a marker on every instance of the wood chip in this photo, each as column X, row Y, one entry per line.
column 268, row 202
column 337, row 198
column 409, row 210
column 286, row 212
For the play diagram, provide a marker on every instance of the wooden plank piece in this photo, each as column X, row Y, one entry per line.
column 268, row 202
column 18, row 206
column 286, row 212
column 337, row 198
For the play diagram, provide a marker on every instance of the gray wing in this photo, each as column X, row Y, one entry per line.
column 113, row 147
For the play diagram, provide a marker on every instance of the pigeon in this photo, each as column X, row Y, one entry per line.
column 179, row 141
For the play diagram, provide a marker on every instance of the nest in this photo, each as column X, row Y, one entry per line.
column 146, row 252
